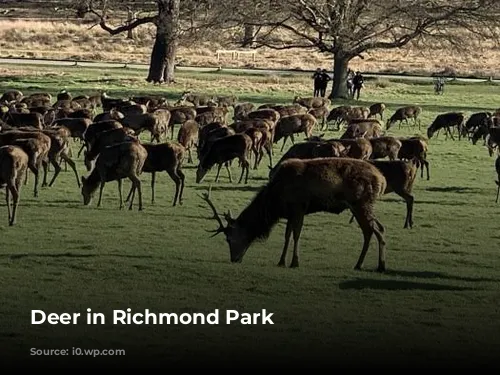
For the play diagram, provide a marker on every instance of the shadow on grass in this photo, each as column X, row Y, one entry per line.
column 436, row 275
column 234, row 187
column 360, row 284
column 71, row 255
column 439, row 203
column 452, row 189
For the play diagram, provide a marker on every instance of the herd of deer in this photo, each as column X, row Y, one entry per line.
column 316, row 175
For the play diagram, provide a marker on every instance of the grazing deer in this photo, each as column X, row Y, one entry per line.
column 114, row 163
column 302, row 187
column 13, row 167
column 446, row 121
column 221, row 152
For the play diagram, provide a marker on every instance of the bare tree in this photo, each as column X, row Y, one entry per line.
column 348, row 28
column 163, row 14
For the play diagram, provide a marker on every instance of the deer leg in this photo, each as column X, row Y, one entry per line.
column 26, row 177
column 450, row 133
column 120, row 193
column 247, row 168
column 498, row 190
column 284, row 142
column 45, row 165
column 261, row 155
column 14, row 189
column 7, row 200
column 129, row 195
column 35, row 169
column 409, row 208
column 190, row 158
column 370, row 225
column 71, row 163
column 218, row 172
column 132, row 192
column 183, row 178
column 100, row 192
column 153, row 178
column 269, row 150
column 426, row 164
column 178, row 182
column 81, row 149
column 229, row 172
column 367, row 229
column 256, row 154
column 139, row 192
column 297, row 229
column 57, row 170
column 288, row 233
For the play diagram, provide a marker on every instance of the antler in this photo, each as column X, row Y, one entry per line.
column 206, row 198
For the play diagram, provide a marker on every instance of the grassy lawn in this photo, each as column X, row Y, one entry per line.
column 438, row 301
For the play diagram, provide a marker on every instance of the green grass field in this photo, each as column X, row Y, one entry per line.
column 438, row 301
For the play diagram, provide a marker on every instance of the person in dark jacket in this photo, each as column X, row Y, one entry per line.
column 357, row 83
column 318, row 79
column 324, row 82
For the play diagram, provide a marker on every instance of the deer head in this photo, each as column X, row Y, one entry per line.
column 235, row 234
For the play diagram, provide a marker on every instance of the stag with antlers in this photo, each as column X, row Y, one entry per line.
column 302, row 187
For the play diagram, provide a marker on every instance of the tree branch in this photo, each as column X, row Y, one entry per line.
column 131, row 26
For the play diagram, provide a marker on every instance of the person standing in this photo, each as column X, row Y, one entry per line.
column 325, row 78
column 349, row 84
column 317, row 77
column 357, row 83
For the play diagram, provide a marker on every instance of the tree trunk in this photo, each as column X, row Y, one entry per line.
column 340, row 68
column 162, row 64
column 249, row 36
column 130, row 18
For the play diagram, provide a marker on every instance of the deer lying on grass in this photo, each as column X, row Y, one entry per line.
column 115, row 163
column 302, row 187
column 13, row 167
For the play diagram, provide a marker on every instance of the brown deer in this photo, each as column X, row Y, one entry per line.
column 221, row 152
column 400, row 176
column 115, row 163
column 303, row 187
column 13, row 167
column 167, row 157
column 188, row 136
column 405, row 113
column 35, row 144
